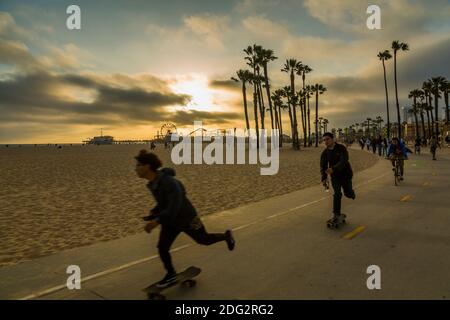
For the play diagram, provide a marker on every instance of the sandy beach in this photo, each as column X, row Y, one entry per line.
column 55, row 199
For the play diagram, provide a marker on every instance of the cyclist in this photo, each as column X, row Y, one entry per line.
column 397, row 150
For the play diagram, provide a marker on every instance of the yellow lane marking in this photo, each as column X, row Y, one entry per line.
column 425, row 184
column 406, row 198
column 434, row 173
column 353, row 233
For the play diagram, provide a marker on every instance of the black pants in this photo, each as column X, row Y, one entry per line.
column 169, row 234
column 338, row 184
column 433, row 152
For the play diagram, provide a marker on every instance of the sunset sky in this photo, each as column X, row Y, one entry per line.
column 135, row 65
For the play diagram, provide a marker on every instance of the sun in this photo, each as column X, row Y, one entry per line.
column 197, row 87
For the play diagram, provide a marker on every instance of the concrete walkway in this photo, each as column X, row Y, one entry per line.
column 284, row 250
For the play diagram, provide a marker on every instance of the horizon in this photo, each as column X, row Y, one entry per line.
column 172, row 62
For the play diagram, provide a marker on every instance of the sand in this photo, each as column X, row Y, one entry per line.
column 55, row 199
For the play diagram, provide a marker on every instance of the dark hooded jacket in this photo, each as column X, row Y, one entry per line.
column 173, row 207
column 337, row 159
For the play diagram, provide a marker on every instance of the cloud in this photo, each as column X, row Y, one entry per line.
column 262, row 27
column 17, row 54
column 225, row 84
column 353, row 98
column 210, row 27
column 246, row 6
column 404, row 17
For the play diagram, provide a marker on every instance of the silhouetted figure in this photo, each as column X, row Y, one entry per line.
column 174, row 212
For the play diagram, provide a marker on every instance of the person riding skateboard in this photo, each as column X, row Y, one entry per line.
column 334, row 162
column 174, row 212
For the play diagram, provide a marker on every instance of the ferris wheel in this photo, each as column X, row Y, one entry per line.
column 168, row 128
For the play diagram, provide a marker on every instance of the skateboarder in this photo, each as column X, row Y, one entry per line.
column 174, row 212
column 334, row 162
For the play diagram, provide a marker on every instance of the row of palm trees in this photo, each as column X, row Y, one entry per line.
column 423, row 105
column 431, row 89
column 286, row 98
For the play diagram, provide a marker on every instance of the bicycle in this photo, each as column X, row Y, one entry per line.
column 396, row 169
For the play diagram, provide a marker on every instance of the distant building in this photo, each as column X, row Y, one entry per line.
column 100, row 140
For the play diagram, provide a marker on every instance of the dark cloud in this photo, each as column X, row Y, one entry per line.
column 188, row 117
column 225, row 84
column 34, row 100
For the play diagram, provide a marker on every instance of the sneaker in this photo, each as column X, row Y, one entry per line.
column 401, row 178
column 230, row 240
column 169, row 279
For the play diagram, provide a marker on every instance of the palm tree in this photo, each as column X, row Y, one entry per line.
column 414, row 94
column 302, row 97
column 379, row 120
column 266, row 56
column 445, row 87
column 244, row 76
column 302, row 71
column 291, row 66
column 383, row 56
column 368, row 126
column 422, row 108
column 427, row 88
column 317, row 89
column 252, row 62
column 415, row 111
column 309, row 93
column 398, row 46
column 277, row 104
column 325, row 123
column 290, row 101
column 436, row 84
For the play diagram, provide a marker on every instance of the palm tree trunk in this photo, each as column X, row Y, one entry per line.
column 317, row 118
column 436, row 113
column 396, row 98
column 296, row 145
column 415, row 116
column 447, row 115
column 431, row 115
column 255, row 108
column 387, row 103
column 280, row 119
column 428, row 123
column 268, row 94
column 291, row 118
column 261, row 105
column 303, row 106
column 309, row 122
column 244, row 94
column 422, row 120
column 416, row 124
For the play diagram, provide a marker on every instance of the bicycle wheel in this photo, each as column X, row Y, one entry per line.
column 397, row 173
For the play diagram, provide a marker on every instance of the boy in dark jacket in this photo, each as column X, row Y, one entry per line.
column 174, row 212
column 334, row 162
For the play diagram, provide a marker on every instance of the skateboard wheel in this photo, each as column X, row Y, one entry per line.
column 189, row 283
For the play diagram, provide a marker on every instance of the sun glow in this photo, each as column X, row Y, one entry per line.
column 197, row 87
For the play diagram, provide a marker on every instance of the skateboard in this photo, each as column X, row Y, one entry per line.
column 334, row 223
column 184, row 278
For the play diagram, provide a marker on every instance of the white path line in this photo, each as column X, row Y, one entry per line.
column 140, row 261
